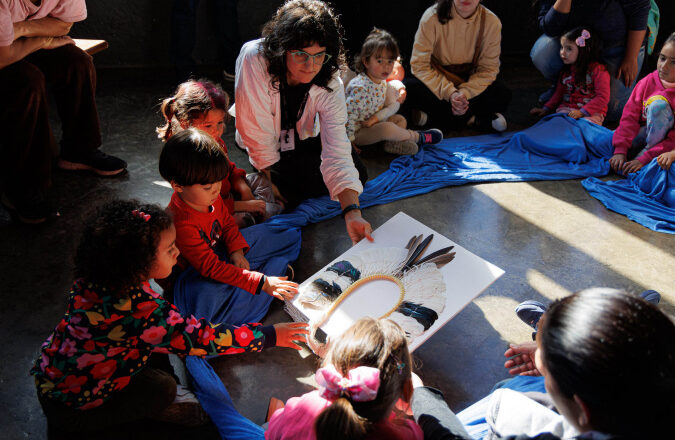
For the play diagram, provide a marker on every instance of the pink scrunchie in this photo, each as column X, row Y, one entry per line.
column 361, row 383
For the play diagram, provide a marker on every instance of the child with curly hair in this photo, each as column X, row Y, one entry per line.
column 202, row 104
column 105, row 362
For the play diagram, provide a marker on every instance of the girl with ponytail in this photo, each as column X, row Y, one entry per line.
column 366, row 371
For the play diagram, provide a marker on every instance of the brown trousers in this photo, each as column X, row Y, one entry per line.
column 27, row 145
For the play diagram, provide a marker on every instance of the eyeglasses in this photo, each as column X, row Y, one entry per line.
column 302, row 57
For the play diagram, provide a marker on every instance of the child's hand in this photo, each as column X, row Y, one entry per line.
column 521, row 360
column 256, row 206
column 402, row 94
column 280, row 287
column 370, row 121
column 617, row 161
column 288, row 333
column 666, row 159
column 631, row 166
column 539, row 111
column 576, row 114
column 237, row 259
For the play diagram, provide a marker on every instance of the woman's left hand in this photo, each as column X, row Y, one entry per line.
column 628, row 70
column 357, row 227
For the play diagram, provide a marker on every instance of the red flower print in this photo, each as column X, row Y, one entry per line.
column 160, row 350
column 68, row 348
column 114, row 351
column 79, row 332
column 91, row 405
column 90, row 345
column 177, row 341
column 174, row 318
column 147, row 289
column 234, row 350
column 243, row 335
column 133, row 354
column 121, row 382
column 114, row 317
column 53, row 346
column 193, row 323
column 104, row 369
column 145, row 309
column 53, row 372
column 62, row 326
column 99, row 386
column 89, row 359
column 153, row 335
column 206, row 335
column 72, row 384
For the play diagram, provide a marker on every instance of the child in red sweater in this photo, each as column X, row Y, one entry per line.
column 646, row 127
column 583, row 88
column 207, row 235
column 203, row 105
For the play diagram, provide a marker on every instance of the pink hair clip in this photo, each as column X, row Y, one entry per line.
column 140, row 214
column 360, row 384
column 581, row 41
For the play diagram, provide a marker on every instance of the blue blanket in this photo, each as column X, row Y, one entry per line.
column 556, row 148
column 646, row 197
column 270, row 252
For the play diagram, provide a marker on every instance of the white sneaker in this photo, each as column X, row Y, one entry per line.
column 419, row 118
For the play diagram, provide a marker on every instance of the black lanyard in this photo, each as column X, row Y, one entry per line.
column 286, row 122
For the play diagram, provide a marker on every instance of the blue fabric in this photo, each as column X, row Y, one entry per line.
column 473, row 417
column 556, row 148
column 646, row 197
column 270, row 252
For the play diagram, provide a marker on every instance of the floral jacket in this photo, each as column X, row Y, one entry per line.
column 103, row 340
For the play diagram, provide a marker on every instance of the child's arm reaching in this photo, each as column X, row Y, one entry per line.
column 666, row 159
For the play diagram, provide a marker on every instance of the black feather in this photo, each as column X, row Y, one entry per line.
column 329, row 290
column 424, row 315
column 434, row 254
column 419, row 250
column 345, row 268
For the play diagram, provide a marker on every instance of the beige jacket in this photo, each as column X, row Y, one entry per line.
column 454, row 43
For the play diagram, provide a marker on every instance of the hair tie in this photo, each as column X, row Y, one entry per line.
column 360, row 385
column 140, row 214
column 581, row 41
column 400, row 366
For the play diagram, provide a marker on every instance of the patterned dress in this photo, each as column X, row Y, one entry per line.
column 104, row 340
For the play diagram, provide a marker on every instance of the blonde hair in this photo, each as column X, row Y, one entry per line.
column 373, row 343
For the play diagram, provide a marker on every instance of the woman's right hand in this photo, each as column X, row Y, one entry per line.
column 617, row 161
column 288, row 333
column 55, row 42
column 459, row 103
column 521, row 360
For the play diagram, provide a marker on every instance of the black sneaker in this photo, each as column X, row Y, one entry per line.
column 429, row 137
column 96, row 161
column 29, row 207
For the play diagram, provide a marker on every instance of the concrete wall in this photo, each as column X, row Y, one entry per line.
column 138, row 30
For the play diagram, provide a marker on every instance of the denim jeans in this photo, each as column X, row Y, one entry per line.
column 545, row 55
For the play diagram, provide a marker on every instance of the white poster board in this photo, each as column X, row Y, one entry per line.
column 465, row 277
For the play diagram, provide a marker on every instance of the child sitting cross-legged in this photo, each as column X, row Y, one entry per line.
column 208, row 238
column 366, row 372
column 106, row 362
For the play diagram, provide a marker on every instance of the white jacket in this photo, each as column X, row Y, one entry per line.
column 258, row 121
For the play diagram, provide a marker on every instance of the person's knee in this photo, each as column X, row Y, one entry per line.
column 162, row 386
column 34, row 85
column 545, row 56
column 399, row 120
column 78, row 63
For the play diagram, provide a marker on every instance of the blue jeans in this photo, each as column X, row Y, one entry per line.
column 545, row 55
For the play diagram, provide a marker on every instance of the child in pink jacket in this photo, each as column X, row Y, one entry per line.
column 646, row 127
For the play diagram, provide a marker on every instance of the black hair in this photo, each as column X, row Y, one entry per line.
column 616, row 352
column 191, row 100
column 377, row 42
column 589, row 53
column 298, row 24
column 669, row 40
column 444, row 10
column 193, row 157
column 118, row 245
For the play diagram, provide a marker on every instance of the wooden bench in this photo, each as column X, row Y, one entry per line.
column 91, row 46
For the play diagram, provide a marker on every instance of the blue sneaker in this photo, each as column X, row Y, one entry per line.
column 530, row 312
column 652, row 296
column 429, row 137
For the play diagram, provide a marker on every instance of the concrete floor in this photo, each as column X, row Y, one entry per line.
column 551, row 238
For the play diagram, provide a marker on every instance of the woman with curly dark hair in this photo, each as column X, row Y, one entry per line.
column 286, row 82
column 105, row 362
